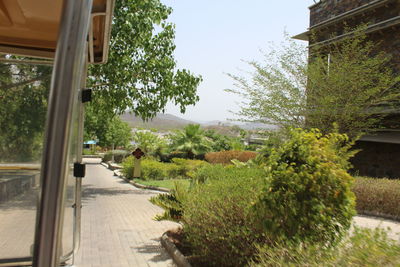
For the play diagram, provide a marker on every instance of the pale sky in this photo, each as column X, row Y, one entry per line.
column 214, row 36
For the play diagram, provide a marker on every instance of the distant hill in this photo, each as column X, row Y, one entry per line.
column 257, row 126
column 163, row 122
column 166, row 122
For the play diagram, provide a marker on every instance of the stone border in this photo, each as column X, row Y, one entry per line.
column 174, row 252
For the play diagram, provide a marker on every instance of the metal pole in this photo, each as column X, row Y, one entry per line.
column 66, row 80
column 79, row 152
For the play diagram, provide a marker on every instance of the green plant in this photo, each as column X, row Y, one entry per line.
column 128, row 167
column 187, row 167
column 308, row 191
column 191, row 140
column 119, row 155
column 226, row 157
column 154, row 170
column 294, row 88
column 150, row 143
column 171, row 203
column 363, row 248
column 218, row 220
column 377, row 196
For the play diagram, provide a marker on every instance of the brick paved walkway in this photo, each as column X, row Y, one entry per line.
column 117, row 225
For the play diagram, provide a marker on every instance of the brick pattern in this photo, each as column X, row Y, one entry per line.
column 117, row 225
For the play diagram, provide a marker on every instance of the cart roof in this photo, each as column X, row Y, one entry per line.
column 30, row 28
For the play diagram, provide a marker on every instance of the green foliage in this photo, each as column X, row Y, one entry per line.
column 191, row 140
column 226, row 157
column 155, row 170
column 288, row 90
column 23, row 104
column 141, row 72
column 308, row 191
column 353, row 89
column 169, row 184
column 377, row 196
column 275, row 92
column 150, row 143
column 365, row 247
column 119, row 155
column 109, row 131
column 171, row 203
column 219, row 171
column 128, row 167
column 188, row 167
column 218, row 218
column 219, row 142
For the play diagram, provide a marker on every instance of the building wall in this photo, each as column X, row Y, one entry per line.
column 377, row 159
column 327, row 9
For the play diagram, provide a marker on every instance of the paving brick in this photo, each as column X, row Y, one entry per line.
column 117, row 225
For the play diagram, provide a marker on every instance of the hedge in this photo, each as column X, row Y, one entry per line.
column 155, row 170
column 380, row 197
column 226, row 157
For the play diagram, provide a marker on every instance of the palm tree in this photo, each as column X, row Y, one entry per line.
column 191, row 140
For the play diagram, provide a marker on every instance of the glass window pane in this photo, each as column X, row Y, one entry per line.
column 23, row 104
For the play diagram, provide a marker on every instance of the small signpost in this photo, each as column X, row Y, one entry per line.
column 138, row 154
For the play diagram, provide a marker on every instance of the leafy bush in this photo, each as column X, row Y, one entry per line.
column 127, row 167
column 154, row 170
column 308, row 194
column 187, row 167
column 225, row 157
column 214, row 172
column 218, row 219
column 171, row 203
column 119, row 155
column 377, row 196
column 365, row 247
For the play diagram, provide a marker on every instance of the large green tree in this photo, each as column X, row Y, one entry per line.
column 110, row 132
column 348, row 85
column 23, row 105
column 141, row 72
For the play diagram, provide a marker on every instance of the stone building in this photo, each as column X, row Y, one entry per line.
column 380, row 155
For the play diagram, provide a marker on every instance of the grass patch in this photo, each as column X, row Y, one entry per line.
column 169, row 184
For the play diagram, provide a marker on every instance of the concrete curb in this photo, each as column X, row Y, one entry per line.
column 161, row 189
column 104, row 164
column 92, row 156
column 141, row 186
column 174, row 252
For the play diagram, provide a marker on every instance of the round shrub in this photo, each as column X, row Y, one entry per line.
column 308, row 196
column 218, row 219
